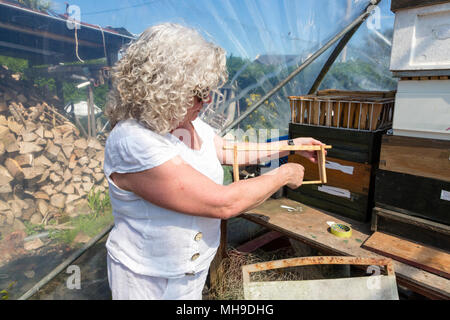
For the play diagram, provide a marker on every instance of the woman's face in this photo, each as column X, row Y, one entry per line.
column 193, row 112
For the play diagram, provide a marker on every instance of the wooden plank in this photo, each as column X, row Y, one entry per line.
column 414, row 195
column 419, row 230
column 310, row 226
column 276, row 148
column 426, row 258
column 353, row 176
column 260, row 241
column 349, row 93
column 416, row 156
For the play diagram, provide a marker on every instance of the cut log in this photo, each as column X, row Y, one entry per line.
column 88, row 171
column 81, row 144
column 16, row 208
column 15, row 127
column 36, row 218
column 3, row 131
column 33, row 172
column 48, row 189
column 29, row 136
column 10, row 143
column 42, row 206
column 72, row 161
column 42, row 161
column 67, row 149
column 100, row 156
column 56, row 167
column 44, row 176
column 4, row 206
column 48, row 134
column 14, row 169
column 72, row 197
column 55, row 178
column 58, row 200
column 5, row 188
column 5, row 176
column 52, row 151
column 59, row 187
column 29, row 147
column 24, row 160
column 41, row 195
column 41, row 142
column 2, row 148
column 69, row 189
column 67, row 175
column 93, row 163
column 98, row 177
column 95, row 144
column 77, row 171
column 83, row 161
column 79, row 152
column 61, row 157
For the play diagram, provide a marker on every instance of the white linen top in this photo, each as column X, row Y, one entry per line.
column 146, row 238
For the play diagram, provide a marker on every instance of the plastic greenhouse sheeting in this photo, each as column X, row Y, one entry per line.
column 43, row 220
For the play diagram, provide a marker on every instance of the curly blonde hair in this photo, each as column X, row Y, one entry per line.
column 160, row 73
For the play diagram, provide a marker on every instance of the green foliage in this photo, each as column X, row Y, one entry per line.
column 32, row 229
column 36, row 4
column 98, row 201
column 227, row 175
column 90, row 224
column 357, row 75
column 14, row 64
column 4, row 294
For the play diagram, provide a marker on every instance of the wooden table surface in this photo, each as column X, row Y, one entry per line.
column 309, row 226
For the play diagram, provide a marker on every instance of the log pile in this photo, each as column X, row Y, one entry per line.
column 47, row 168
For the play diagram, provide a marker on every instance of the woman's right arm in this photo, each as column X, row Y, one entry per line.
column 175, row 185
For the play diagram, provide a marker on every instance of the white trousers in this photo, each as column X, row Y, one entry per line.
column 127, row 285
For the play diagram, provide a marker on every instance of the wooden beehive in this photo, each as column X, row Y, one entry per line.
column 344, row 109
column 414, row 177
column 353, row 122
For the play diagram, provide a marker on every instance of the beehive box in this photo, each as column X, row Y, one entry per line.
column 422, row 109
column 353, row 123
column 421, row 37
column 414, row 177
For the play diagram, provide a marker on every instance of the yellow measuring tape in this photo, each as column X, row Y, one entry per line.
column 341, row 230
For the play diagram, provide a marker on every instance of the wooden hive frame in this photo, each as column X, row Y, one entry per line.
column 320, row 149
column 367, row 111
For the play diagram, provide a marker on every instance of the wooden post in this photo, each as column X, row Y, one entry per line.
column 235, row 164
column 91, row 113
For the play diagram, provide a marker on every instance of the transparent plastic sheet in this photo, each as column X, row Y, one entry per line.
column 265, row 41
column 364, row 63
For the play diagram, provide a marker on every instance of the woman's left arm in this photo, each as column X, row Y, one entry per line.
column 270, row 153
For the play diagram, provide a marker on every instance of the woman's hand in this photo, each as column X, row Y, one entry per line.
column 294, row 173
column 310, row 155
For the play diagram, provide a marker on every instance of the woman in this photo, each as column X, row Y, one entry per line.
column 163, row 165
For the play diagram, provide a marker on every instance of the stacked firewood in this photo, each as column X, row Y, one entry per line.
column 47, row 168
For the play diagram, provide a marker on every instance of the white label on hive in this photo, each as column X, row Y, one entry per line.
column 335, row 191
column 445, row 195
column 337, row 166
